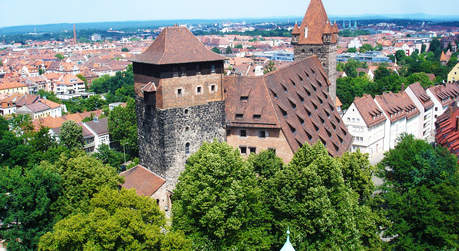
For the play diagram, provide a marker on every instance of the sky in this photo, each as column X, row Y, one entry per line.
column 30, row 12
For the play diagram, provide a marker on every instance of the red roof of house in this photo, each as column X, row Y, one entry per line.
column 369, row 110
column 293, row 98
column 447, row 129
column 177, row 45
column 144, row 181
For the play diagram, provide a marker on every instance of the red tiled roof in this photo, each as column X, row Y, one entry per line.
column 446, row 94
column 294, row 98
column 447, row 131
column 397, row 106
column 369, row 110
column 317, row 23
column 176, row 45
column 421, row 94
column 144, row 181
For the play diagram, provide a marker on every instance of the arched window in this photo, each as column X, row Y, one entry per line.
column 187, row 148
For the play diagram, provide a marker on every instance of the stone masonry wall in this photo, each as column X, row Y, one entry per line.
column 163, row 135
column 327, row 56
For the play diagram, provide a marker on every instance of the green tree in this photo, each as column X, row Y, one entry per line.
column 228, row 50
column 82, row 177
column 125, row 49
column 238, row 46
column 352, row 50
column 435, row 47
column 71, row 135
column 357, row 173
column 122, row 125
column 423, row 48
column 115, row 220
column 110, row 156
column 26, row 205
column 271, row 66
column 59, row 56
column 311, row 196
column 420, row 77
column 216, row 50
column 218, row 204
column 365, row 48
column 399, row 55
column 420, row 195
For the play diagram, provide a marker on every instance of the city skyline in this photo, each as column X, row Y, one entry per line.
column 53, row 11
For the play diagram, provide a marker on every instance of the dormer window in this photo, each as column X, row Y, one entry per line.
column 306, row 32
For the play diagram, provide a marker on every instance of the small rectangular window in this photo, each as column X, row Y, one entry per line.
column 244, row 98
column 256, row 116
column 243, row 133
column 262, row 134
column 243, row 149
column 239, row 115
column 212, row 88
column 179, row 92
column 253, row 150
column 198, row 90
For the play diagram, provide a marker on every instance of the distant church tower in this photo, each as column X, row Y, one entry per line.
column 317, row 36
column 179, row 101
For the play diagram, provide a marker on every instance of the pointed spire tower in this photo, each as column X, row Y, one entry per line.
column 288, row 246
column 317, row 36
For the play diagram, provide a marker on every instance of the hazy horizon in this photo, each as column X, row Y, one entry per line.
column 23, row 12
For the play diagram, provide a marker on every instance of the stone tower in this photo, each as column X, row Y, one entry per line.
column 179, row 101
column 317, row 36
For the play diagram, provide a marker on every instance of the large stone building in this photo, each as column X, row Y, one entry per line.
column 317, row 36
column 183, row 99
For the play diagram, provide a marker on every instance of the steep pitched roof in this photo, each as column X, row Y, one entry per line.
column 369, row 111
column 144, row 181
column 294, row 98
column 421, row 94
column 317, row 24
column 446, row 94
column 397, row 106
column 176, row 45
column 447, row 131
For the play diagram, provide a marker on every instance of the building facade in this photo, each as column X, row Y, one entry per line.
column 179, row 103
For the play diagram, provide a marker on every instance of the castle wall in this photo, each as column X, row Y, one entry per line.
column 327, row 56
column 164, row 134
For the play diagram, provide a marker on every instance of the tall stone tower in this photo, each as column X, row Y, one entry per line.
column 317, row 36
column 179, row 101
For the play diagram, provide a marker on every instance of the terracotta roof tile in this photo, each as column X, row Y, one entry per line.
column 369, row 110
column 446, row 94
column 317, row 24
column 296, row 96
column 176, row 45
column 144, row 181
column 421, row 94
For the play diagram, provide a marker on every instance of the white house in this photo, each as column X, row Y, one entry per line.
column 41, row 109
column 355, row 43
column 366, row 122
column 402, row 117
column 99, row 129
column 442, row 96
column 426, row 107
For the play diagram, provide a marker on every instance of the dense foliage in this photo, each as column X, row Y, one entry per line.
column 115, row 220
column 218, row 204
column 223, row 201
column 117, row 88
column 413, row 69
column 122, row 125
column 420, row 196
